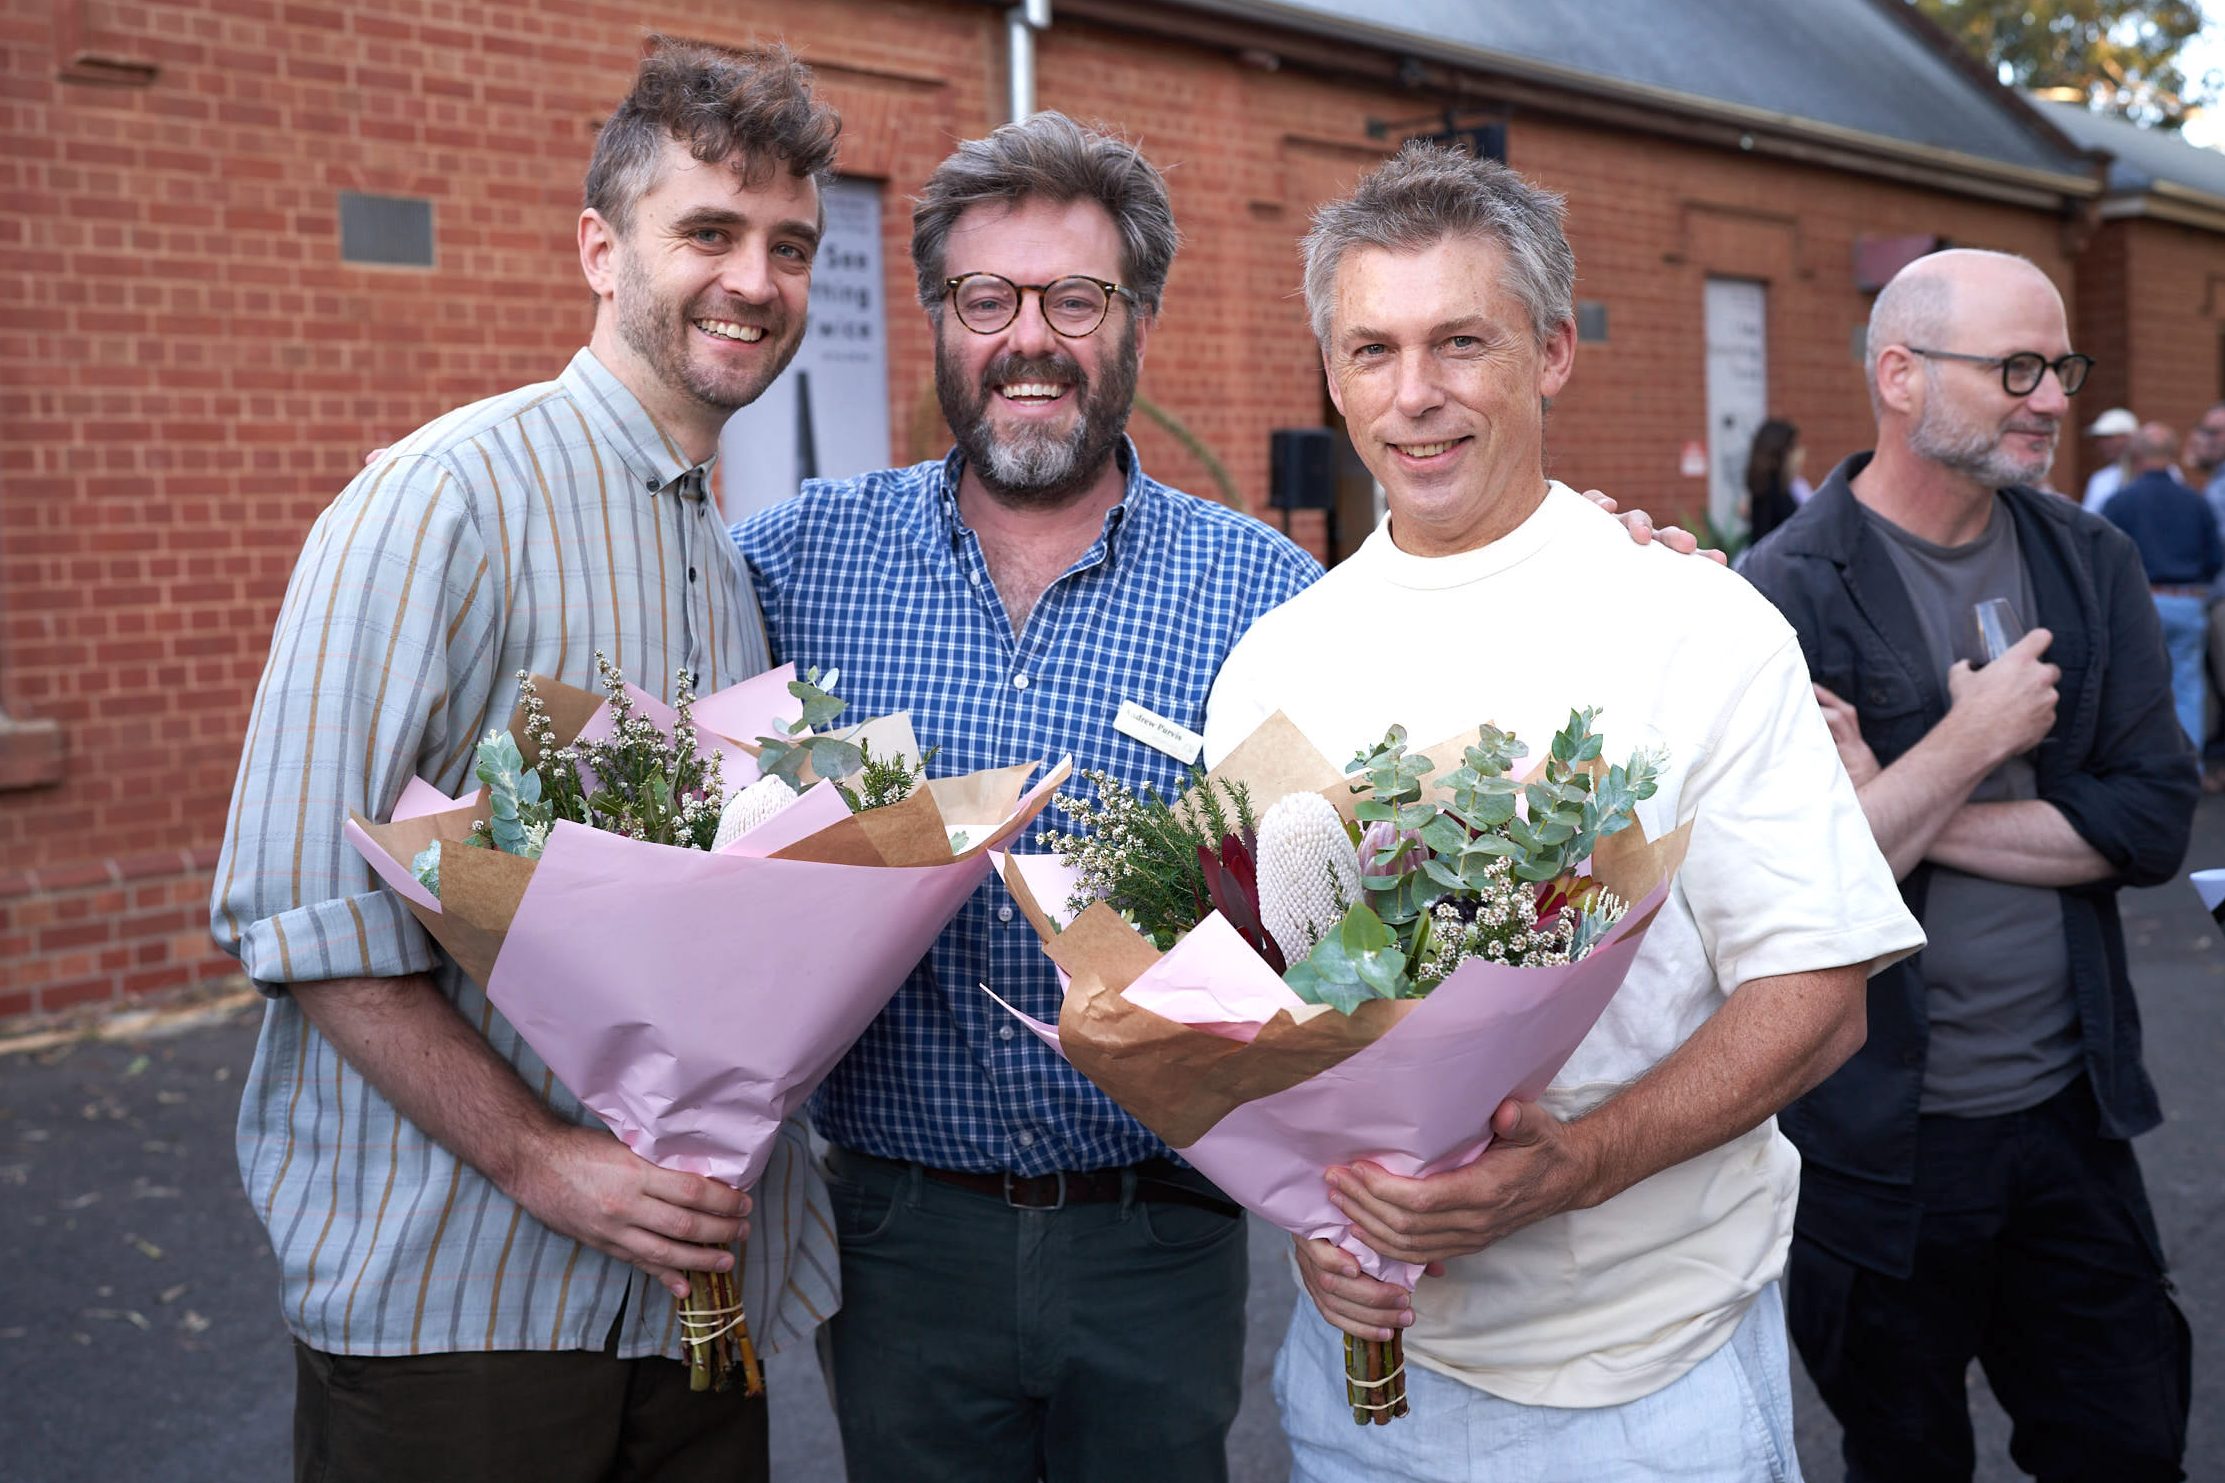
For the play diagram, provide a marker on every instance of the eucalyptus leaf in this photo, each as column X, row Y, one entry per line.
column 1444, row 835
column 1357, row 960
column 833, row 759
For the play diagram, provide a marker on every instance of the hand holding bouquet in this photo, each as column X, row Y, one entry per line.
column 1365, row 971
column 691, row 958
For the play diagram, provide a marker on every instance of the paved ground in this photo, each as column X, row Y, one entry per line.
column 140, row 1339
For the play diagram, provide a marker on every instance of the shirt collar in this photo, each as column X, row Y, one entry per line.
column 654, row 462
column 1136, row 495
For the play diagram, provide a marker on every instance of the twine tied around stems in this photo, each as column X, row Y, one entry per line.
column 1359, row 1384
column 1362, row 1357
column 707, row 1325
column 714, row 1334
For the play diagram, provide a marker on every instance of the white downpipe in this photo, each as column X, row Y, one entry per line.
column 1021, row 23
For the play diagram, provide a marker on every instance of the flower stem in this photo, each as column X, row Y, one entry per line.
column 715, row 1335
column 1375, row 1379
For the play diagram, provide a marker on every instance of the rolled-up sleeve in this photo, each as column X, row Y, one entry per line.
column 379, row 669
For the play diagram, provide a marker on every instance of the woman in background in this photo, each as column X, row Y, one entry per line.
column 1774, row 487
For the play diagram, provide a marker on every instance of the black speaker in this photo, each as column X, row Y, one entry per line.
column 1302, row 468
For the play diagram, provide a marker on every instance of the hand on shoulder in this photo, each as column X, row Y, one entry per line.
column 1643, row 532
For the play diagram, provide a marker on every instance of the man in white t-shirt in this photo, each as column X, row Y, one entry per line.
column 1604, row 1278
column 2112, row 434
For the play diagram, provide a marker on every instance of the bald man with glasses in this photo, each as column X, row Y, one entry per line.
column 1968, row 1186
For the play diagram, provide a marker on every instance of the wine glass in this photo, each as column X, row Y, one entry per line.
column 1998, row 626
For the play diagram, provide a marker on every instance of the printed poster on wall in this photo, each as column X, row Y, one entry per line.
column 826, row 416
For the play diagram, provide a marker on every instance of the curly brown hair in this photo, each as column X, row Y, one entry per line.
column 751, row 107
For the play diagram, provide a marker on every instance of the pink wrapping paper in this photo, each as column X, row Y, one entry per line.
column 1415, row 1101
column 1277, row 1095
column 691, row 1000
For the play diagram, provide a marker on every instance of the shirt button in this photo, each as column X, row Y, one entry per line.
column 1004, row 1032
column 1004, row 913
column 651, row 484
column 1019, row 682
column 1026, row 1139
column 691, row 574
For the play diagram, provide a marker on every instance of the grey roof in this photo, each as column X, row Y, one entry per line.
column 1845, row 63
column 2143, row 156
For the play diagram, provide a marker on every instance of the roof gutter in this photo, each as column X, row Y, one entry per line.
column 1547, row 85
column 2167, row 200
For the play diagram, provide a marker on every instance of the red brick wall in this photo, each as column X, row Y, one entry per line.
column 188, row 373
column 2170, row 301
column 2103, row 329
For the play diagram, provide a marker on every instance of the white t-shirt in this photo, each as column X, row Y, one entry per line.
column 2106, row 481
column 1602, row 1306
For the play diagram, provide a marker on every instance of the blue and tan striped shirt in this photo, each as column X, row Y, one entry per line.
column 525, row 532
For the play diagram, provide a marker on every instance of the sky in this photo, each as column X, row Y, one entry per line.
column 2205, row 52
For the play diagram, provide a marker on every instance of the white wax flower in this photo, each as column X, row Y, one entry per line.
column 1309, row 873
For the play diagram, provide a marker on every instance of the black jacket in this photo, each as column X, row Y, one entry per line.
column 2117, row 765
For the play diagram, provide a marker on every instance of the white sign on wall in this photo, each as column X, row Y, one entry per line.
column 826, row 416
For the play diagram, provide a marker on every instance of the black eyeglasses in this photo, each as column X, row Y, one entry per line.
column 2021, row 371
column 1074, row 307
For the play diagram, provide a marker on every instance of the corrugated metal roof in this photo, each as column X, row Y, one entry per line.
column 2143, row 156
column 1844, row 63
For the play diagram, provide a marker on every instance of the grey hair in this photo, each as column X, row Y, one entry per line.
column 1050, row 158
column 1912, row 309
column 1428, row 192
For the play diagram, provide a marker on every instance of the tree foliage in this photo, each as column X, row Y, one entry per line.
column 2121, row 56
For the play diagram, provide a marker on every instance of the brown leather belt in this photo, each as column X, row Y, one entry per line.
column 2177, row 589
column 1156, row 1182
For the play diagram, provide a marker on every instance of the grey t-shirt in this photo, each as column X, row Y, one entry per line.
column 2004, row 1025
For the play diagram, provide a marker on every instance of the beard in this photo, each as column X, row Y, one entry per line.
column 1976, row 452
column 659, row 329
column 1038, row 467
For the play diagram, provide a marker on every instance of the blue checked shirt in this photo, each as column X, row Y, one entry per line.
column 877, row 577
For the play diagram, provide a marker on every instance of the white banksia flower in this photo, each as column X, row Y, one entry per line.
column 750, row 807
column 1309, row 873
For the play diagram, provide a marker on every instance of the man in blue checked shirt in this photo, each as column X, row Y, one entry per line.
column 1031, row 1285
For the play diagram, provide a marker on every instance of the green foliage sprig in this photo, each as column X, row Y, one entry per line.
column 639, row 781
column 884, row 780
column 1493, row 876
column 1140, row 853
column 805, row 740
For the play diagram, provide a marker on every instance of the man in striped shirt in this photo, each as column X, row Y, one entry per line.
column 473, row 1267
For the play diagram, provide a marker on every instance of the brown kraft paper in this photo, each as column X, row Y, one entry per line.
column 1179, row 1080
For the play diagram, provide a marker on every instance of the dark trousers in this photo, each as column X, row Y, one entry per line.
column 566, row 1416
column 978, row 1343
column 2037, row 1256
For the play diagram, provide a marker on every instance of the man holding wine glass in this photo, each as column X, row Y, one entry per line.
column 1968, row 1188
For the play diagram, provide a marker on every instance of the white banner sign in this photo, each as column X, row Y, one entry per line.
column 826, row 417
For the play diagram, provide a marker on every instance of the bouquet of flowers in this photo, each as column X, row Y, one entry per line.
column 689, row 928
column 1364, row 970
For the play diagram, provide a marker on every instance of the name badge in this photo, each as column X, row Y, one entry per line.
column 1179, row 742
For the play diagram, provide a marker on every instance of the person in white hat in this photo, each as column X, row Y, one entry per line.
column 2112, row 433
